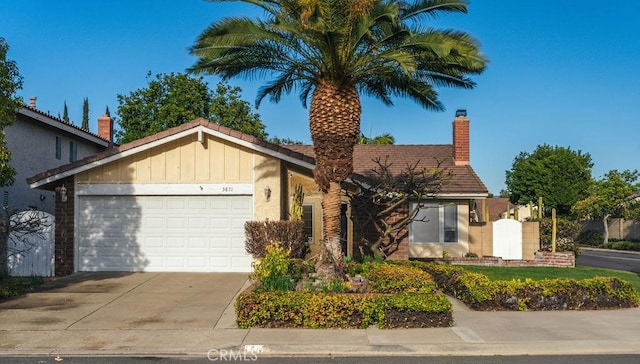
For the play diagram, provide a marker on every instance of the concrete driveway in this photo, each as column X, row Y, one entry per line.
column 121, row 301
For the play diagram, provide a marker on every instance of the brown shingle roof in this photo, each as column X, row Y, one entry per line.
column 61, row 121
column 464, row 180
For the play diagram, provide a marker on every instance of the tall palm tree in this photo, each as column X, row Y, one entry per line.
column 335, row 50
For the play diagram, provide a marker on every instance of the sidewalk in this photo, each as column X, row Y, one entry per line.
column 474, row 333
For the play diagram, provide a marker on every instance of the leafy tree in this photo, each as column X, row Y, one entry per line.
column 284, row 141
column 10, row 83
column 382, row 139
column 610, row 197
column 65, row 113
column 332, row 51
column 382, row 202
column 85, row 114
column 559, row 175
column 173, row 99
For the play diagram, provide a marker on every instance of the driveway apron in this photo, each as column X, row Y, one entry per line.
column 121, row 301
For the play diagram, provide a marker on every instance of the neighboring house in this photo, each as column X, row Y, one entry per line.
column 39, row 141
column 497, row 209
column 178, row 200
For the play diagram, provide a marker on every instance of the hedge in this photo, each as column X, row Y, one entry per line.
column 480, row 293
column 318, row 310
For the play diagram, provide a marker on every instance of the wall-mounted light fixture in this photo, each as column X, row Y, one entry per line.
column 63, row 194
column 267, row 193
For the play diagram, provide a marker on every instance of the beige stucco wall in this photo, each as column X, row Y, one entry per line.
column 268, row 173
column 455, row 249
column 313, row 197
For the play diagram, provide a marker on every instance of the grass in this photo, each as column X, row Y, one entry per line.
column 16, row 286
column 539, row 273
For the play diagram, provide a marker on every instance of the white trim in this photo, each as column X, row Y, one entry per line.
column 182, row 134
column 140, row 189
column 64, row 127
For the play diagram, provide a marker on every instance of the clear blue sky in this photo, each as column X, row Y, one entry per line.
column 562, row 72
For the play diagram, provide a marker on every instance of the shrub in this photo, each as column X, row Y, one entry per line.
column 318, row 310
column 274, row 272
column 623, row 245
column 481, row 293
column 415, row 311
column 566, row 235
column 387, row 278
column 590, row 237
column 290, row 234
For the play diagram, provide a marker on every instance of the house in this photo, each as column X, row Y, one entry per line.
column 178, row 200
column 496, row 208
column 39, row 141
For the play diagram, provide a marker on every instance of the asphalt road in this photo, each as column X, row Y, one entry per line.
column 610, row 260
column 533, row 359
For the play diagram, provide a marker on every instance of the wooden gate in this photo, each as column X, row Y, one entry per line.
column 507, row 239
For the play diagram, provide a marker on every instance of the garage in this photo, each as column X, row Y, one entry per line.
column 163, row 233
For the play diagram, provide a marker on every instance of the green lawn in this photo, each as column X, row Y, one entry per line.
column 537, row 273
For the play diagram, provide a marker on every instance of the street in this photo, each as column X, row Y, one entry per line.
column 610, row 260
column 527, row 359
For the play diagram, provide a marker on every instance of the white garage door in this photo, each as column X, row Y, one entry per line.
column 163, row 233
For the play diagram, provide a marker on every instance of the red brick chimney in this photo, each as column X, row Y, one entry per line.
column 461, row 138
column 105, row 128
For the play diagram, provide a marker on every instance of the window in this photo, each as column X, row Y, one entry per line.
column 58, row 147
column 73, row 151
column 435, row 223
column 307, row 217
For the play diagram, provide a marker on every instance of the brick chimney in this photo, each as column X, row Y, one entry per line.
column 461, row 138
column 32, row 102
column 105, row 128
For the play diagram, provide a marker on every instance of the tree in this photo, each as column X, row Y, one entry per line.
column 65, row 113
column 382, row 201
column 173, row 99
column 332, row 51
column 559, row 175
column 85, row 114
column 382, row 139
column 610, row 197
column 284, row 141
column 10, row 83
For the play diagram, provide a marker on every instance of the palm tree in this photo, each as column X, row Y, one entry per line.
column 335, row 50
column 382, row 139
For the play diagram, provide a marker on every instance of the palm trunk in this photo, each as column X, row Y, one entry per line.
column 334, row 120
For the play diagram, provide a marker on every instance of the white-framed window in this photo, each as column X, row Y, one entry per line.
column 73, row 151
column 307, row 217
column 58, row 147
column 436, row 222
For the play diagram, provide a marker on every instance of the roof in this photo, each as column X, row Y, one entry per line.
column 58, row 123
column 464, row 181
column 496, row 207
column 195, row 126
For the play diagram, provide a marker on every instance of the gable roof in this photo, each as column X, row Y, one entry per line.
column 58, row 123
column 196, row 126
column 464, row 182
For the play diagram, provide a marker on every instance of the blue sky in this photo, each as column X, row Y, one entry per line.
column 562, row 72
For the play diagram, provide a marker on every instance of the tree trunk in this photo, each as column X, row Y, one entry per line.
column 606, row 229
column 334, row 120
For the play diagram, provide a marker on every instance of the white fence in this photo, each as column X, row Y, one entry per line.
column 30, row 249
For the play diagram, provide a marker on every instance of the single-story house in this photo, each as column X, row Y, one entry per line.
column 178, row 200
